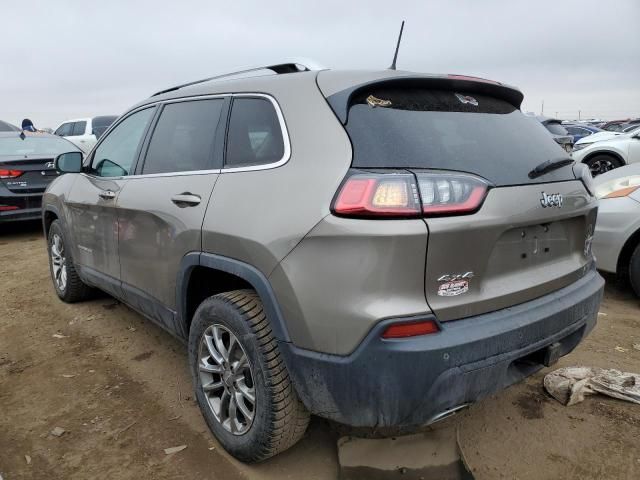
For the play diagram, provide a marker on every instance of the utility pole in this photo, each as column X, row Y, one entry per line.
column 556, row 114
column 542, row 109
column 579, row 114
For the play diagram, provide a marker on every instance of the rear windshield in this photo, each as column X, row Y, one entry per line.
column 437, row 129
column 32, row 146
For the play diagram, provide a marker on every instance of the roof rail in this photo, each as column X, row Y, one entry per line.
column 292, row 67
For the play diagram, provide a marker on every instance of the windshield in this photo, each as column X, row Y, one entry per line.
column 418, row 128
column 34, row 146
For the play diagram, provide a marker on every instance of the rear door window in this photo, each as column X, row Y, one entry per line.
column 445, row 130
column 184, row 137
column 79, row 128
column 255, row 135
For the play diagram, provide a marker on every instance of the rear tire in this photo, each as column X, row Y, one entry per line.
column 233, row 353
column 602, row 163
column 634, row 270
column 66, row 281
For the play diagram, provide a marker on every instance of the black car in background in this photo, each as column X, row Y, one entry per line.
column 7, row 127
column 26, row 168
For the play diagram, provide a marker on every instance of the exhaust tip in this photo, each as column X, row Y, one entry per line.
column 447, row 413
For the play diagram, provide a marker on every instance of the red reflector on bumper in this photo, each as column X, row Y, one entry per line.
column 5, row 208
column 413, row 329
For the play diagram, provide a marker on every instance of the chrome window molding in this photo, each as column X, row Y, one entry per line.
column 283, row 130
column 266, row 166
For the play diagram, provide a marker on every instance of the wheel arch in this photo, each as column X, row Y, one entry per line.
column 49, row 214
column 220, row 274
column 622, row 266
column 611, row 153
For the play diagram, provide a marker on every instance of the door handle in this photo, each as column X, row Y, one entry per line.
column 107, row 194
column 186, row 199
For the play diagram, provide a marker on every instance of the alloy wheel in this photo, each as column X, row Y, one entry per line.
column 226, row 379
column 601, row 166
column 58, row 262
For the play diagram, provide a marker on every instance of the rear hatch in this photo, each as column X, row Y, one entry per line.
column 525, row 236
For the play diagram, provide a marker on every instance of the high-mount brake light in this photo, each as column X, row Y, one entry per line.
column 452, row 193
column 378, row 195
column 410, row 329
column 10, row 173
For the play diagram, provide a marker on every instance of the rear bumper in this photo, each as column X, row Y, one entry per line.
column 411, row 382
column 27, row 205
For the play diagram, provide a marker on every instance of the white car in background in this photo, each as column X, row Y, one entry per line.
column 84, row 132
column 616, row 240
column 603, row 153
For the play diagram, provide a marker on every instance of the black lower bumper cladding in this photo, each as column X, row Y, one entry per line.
column 412, row 382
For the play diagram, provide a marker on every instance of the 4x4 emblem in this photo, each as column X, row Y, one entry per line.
column 551, row 200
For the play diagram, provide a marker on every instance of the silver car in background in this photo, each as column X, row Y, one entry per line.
column 616, row 242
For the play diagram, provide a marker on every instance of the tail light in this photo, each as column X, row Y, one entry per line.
column 405, row 195
column 378, row 195
column 410, row 329
column 451, row 193
column 10, row 173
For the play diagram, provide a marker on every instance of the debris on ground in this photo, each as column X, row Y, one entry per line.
column 27, row 459
column 571, row 384
column 169, row 451
column 621, row 349
column 68, row 375
column 636, row 346
column 57, row 432
column 59, row 335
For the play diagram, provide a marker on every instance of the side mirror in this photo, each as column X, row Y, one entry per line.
column 70, row 162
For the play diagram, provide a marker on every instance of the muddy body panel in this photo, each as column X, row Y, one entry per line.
column 412, row 382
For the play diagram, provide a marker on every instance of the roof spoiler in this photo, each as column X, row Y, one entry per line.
column 295, row 66
column 341, row 101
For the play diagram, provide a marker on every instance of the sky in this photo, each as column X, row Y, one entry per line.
column 66, row 58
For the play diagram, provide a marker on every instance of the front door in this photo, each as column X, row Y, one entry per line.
column 161, row 208
column 92, row 201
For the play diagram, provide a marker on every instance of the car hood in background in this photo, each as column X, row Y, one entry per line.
column 598, row 137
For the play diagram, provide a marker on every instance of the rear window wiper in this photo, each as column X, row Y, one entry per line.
column 550, row 165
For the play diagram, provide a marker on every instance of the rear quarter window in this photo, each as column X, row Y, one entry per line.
column 255, row 135
column 446, row 130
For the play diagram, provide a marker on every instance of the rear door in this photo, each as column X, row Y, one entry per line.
column 162, row 207
column 498, row 234
column 91, row 203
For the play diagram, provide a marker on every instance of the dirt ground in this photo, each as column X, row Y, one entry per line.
column 120, row 388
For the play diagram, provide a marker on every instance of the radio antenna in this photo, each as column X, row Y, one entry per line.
column 395, row 55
